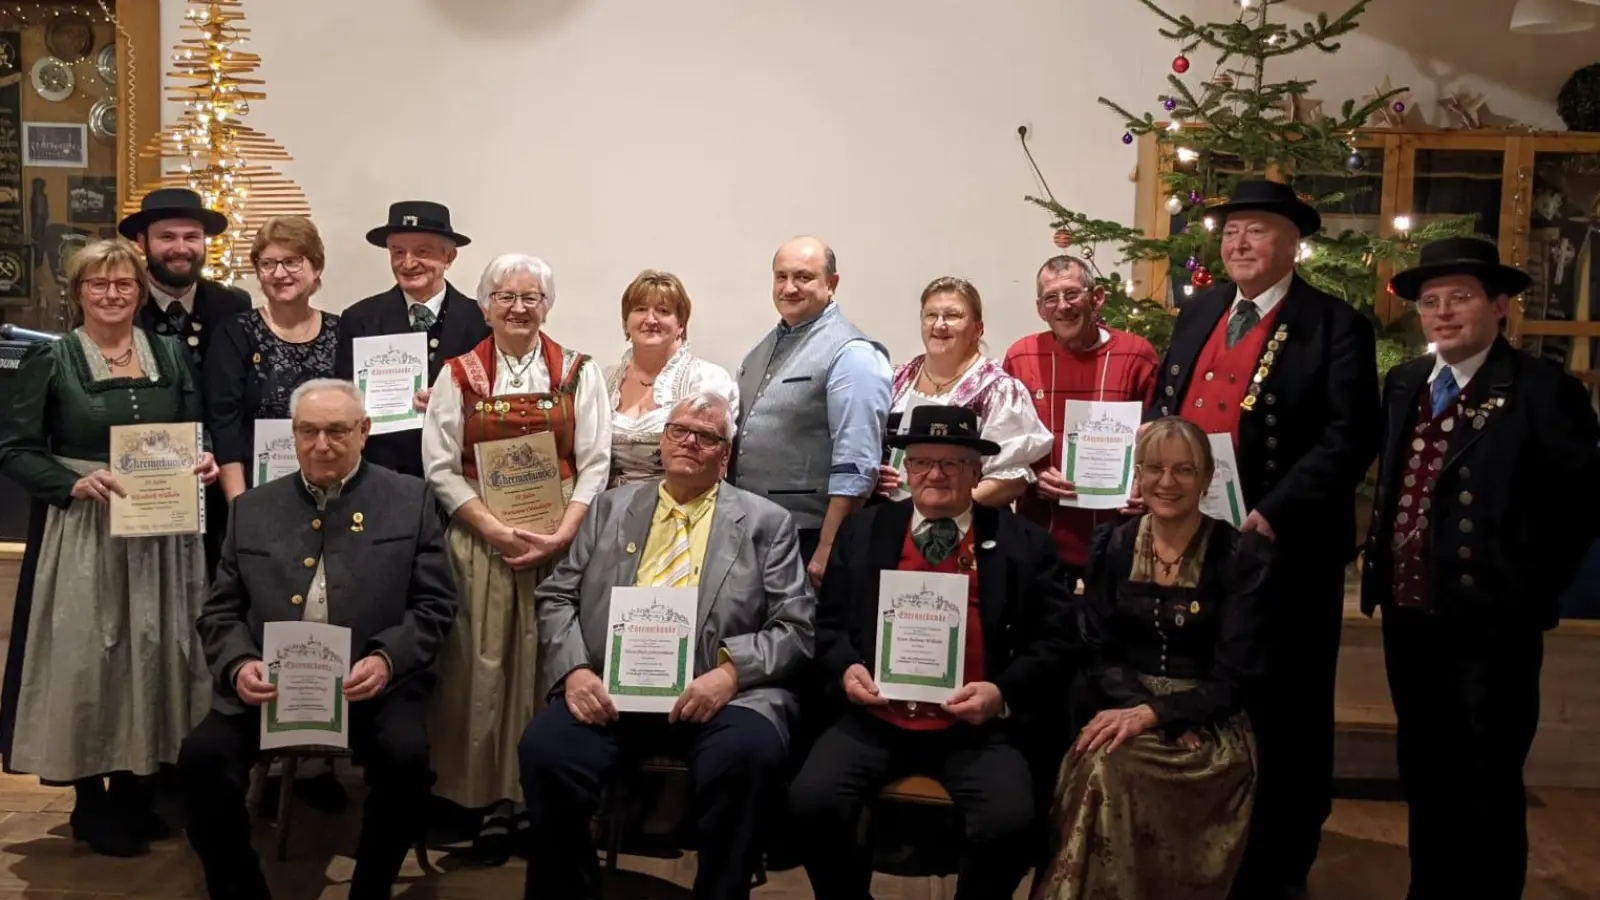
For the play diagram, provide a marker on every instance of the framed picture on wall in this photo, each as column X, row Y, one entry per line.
column 60, row 144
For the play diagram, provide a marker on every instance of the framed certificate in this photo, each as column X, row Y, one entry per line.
column 650, row 648
column 155, row 463
column 519, row 480
column 922, row 635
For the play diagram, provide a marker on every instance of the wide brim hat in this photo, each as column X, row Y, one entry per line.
column 1262, row 195
column 1461, row 256
column 171, row 203
column 953, row 425
column 417, row 217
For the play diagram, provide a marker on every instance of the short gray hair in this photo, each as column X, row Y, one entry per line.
column 507, row 264
column 708, row 401
column 348, row 388
column 1057, row 265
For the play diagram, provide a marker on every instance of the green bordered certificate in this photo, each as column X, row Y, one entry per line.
column 650, row 648
column 390, row 370
column 155, row 463
column 1097, row 453
column 922, row 635
column 274, row 455
column 1224, row 500
column 308, row 663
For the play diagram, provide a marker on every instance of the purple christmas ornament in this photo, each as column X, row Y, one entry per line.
column 1170, row 104
column 1192, row 264
column 1127, row 137
column 1399, row 107
column 1194, row 197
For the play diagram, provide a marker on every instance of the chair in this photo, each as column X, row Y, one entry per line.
column 613, row 805
column 914, row 790
column 291, row 759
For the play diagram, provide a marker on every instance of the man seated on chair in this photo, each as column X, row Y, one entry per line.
column 752, row 630
column 1020, row 646
column 347, row 543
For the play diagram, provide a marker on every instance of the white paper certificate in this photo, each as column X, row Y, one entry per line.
column 650, row 654
column 1224, row 500
column 308, row 662
column 1097, row 455
column 897, row 456
column 390, row 370
column 274, row 451
column 922, row 635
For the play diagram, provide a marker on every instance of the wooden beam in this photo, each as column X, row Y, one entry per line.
column 139, row 87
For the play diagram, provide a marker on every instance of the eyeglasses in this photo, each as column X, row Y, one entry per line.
column 106, row 285
column 508, row 299
column 336, row 434
column 290, row 264
column 1183, row 472
column 1064, row 298
column 934, row 318
column 922, row 465
column 705, row 440
column 1433, row 303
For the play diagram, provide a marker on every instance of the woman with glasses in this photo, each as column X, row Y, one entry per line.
column 954, row 371
column 656, row 371
column 516, row 382
column 1155, row 795
column 259, row 357
column 105, row 676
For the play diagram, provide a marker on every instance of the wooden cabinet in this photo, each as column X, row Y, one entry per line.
column 1536, row 193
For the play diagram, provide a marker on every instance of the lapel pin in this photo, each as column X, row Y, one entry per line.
column 1194, row 608
column 632, row 547
column 356, row 523
column 1039, row 394
column 1178, row 620
column 256, row 358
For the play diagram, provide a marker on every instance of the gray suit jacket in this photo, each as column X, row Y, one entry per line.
column 389, row 582
column 754, row 597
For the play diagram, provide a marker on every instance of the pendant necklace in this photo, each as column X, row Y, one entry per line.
column 516, row 373
column 120, row 360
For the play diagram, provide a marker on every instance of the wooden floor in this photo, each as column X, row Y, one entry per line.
column 1363, row 858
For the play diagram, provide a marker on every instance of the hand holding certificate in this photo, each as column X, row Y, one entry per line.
column 307, row 662
column 390, row 370
column 1097, row 453
column 650, row 652
column 154, row 465
column 519, row 480
column 922, row 635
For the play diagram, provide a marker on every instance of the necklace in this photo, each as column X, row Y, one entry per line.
column 516, row 373
column 120, row 360
column 1166, row 566
column 637, row 376
column 941, row 387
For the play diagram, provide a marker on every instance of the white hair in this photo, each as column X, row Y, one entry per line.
column 708, row 401
column 505, row 265
column 348, row 388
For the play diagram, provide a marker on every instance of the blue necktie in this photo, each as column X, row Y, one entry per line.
column 1445, row 390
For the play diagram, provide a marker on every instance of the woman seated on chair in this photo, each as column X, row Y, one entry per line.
column 1155, row 796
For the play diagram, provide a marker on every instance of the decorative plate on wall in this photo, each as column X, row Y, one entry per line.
column 53, row 79
column 103, row 120
column 106, row 64
column 70, row 36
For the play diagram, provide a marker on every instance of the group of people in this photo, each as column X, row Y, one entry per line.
column 1146, row 706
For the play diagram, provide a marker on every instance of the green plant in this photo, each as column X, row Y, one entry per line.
column 1578, row 103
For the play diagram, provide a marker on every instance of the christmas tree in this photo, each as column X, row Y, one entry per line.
column 1240, row 125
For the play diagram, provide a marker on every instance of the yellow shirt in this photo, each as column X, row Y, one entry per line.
column 656, row 545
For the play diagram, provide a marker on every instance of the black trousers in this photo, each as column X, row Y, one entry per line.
column 389, row 740
column 985, row 775
column 736, row 761
column 1466, row 696
column 1292, row 715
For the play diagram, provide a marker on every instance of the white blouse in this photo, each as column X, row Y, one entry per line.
column 1009, row 419
column 442, row 428
column 636, row 442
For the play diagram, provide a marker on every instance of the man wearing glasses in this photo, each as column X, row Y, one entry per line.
column 753, row 630
column 1020, row 649
column 1077, row 358
column 1467, row 561
column 422, row 246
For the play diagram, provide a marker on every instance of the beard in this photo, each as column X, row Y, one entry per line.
column 168, row 278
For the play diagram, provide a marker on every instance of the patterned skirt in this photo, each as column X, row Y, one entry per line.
column 1154, row 820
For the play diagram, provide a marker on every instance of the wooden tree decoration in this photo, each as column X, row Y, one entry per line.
column 209, row 149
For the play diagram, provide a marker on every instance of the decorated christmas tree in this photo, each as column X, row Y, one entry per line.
column 1234, row 123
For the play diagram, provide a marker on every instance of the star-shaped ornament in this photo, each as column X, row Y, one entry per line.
column 1300, row 109
column 1392, row 114
column 1463, row 109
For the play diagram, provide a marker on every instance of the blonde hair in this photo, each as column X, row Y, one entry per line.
column 961, row 288
column 100, row 256
column 651, row 286
column 1176, row 428
column 295, row 232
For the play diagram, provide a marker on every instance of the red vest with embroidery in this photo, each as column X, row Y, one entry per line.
column 491, row 418
column 1413, row 517
column 1222, row 375
column 928, row 716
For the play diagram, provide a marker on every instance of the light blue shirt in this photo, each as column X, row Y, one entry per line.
column 859, row 382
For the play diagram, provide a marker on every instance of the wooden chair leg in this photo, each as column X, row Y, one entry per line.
column 286, row 805
column 258, row 786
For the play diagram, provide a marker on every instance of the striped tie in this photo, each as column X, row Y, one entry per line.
column 675, row 566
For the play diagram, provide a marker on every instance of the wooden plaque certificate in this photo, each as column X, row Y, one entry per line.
column 519, row 480
column 155, row 463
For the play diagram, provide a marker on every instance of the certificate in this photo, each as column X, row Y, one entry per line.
column 274, row 451
column 390, row 370
column 922, row 635
column 519, row 480
column 308, row 663
column 1224, row 500
column 650, row 655
column 1097, row 455
column 155, row 463
column 897, row 456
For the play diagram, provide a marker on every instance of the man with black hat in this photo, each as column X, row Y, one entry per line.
column 1290, row 373
column 1467, row 562
column 1020, row 645
column 422, row 246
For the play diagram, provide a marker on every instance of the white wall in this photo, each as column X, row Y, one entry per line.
column 696, row 135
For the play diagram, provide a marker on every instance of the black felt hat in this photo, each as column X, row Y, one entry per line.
column 171, row 203
column 1273, row 197
column 417, row 217
column 1461, row 256
column 955, row 425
